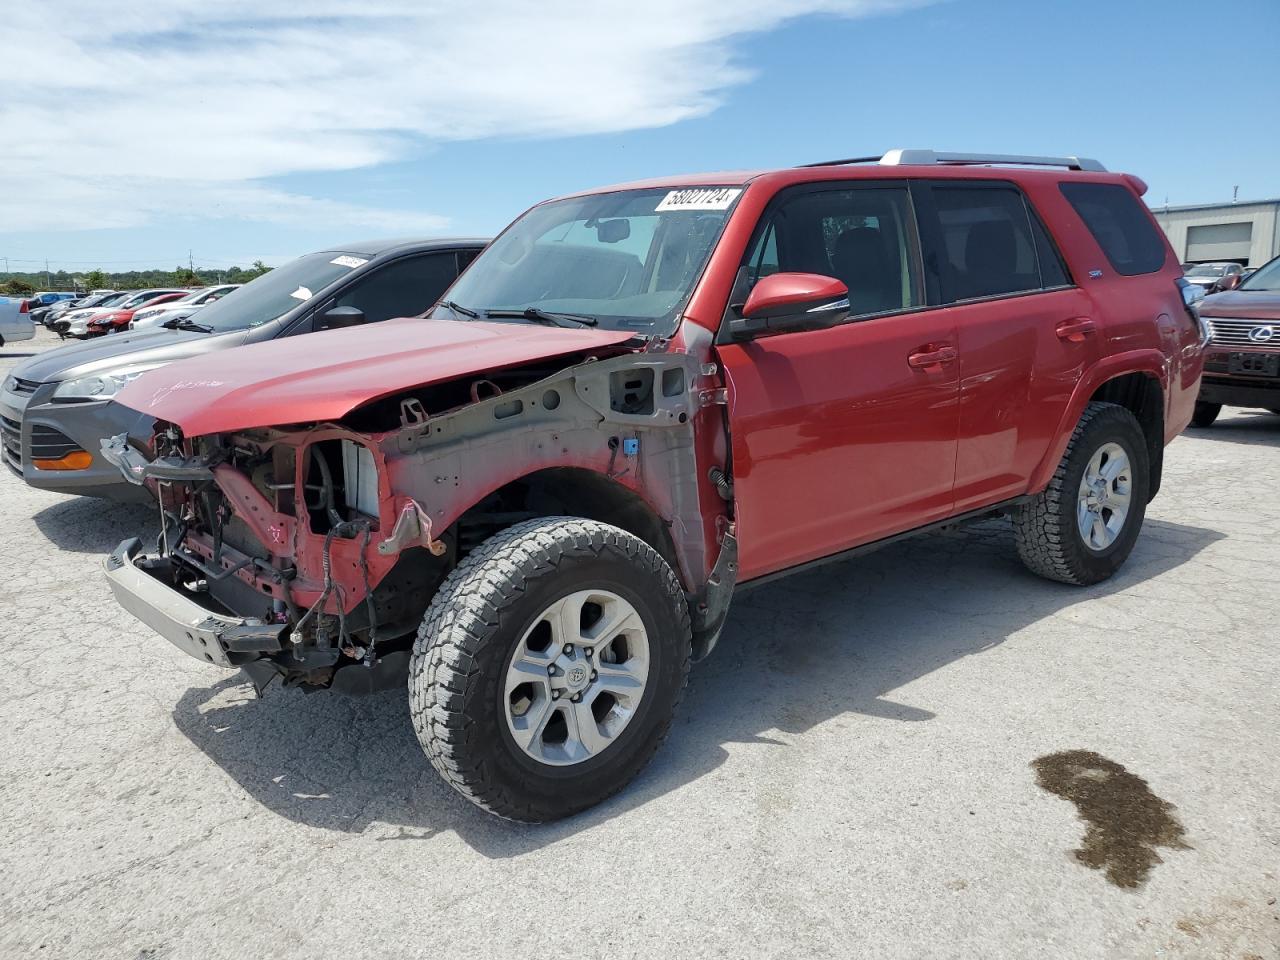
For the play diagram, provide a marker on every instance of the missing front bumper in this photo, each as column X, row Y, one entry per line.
column 198, row 632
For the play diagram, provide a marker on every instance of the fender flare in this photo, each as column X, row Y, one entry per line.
column 1148, row 361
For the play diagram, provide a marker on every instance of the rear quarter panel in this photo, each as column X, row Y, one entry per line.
column 1143, row 325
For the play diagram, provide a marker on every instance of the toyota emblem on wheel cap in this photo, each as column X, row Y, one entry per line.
column 1262, row 334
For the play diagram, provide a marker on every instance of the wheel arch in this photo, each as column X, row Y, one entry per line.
column 1140, row 394
column 577, row 492
column 1138, row 381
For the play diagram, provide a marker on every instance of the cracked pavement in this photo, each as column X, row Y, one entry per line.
column 850, row 773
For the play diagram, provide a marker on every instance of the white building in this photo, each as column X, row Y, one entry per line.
column 1248, row 233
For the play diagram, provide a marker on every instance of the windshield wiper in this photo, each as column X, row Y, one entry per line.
column 460, row 309
column 186, row 324
column 538, row 315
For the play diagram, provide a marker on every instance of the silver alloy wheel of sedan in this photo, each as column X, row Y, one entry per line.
column 1106, row 489
column 576, row 678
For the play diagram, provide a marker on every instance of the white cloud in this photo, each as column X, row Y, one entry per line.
column 185, row 107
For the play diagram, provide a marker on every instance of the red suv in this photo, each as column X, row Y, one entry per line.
column 539, row 501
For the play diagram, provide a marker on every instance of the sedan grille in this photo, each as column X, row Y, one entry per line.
column 50, row 444
column 24, row 387
column 11, row 442
column 46, row 443
column 1229, row 332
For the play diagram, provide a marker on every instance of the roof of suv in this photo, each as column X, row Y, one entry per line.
column 892, row 164
column 385, row 246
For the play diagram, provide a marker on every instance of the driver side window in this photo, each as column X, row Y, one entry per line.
column 404, row 288
column 863, row 236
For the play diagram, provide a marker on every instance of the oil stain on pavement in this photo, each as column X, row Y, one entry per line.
column 1126, row 821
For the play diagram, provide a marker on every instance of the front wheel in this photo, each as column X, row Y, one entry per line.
column 548, row 667
column 1205, row 413
column 1081, row 528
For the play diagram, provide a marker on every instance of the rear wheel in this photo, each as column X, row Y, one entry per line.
column 1205, row 414
column 548, row 667
column 1081, row 528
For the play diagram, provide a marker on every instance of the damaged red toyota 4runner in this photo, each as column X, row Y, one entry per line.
column 539, row 500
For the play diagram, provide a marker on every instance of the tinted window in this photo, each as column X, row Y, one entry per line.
column 987, row 249
column 1120, row 225
column 1053, row 273
column 865, row 237
column 404, row 288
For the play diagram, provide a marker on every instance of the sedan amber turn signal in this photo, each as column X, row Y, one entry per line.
column 79, row 460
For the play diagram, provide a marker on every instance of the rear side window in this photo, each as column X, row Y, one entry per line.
column 987, row 246
column 1119, row 224
column 1052, row 271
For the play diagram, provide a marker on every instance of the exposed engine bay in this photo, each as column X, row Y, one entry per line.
column 326, row 542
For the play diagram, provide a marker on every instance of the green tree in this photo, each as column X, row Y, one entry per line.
column 96, row 280
column 185, row 277
column 18, row 288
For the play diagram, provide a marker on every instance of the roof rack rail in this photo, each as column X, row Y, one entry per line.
column 841, row 163
column 894, row 158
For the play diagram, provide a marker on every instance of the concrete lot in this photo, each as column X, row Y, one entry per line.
column 850, row 775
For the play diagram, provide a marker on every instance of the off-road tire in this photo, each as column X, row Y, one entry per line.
column 470, row 630
column 1045, row 529
column 1205, row 414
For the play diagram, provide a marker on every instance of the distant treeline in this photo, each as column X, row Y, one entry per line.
column 24, row 283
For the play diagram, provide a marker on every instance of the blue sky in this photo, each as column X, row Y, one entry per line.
column 238, row 133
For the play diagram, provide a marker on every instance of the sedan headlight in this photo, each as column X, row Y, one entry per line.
column 143, row 314
column 102, row 386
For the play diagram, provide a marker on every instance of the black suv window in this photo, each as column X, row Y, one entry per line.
column 864, row 236
column 404, row 288
column 1119, row 224
column 1053, row 273
column 987, row 246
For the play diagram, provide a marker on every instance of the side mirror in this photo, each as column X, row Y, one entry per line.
column 785, row 302
column 338, row 317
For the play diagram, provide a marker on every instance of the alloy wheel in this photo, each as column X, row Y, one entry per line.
column 576, row 678
column 1106, row 491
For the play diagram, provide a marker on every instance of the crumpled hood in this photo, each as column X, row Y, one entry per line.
column 1244, row 304
column 324, row 376
column 119, row 351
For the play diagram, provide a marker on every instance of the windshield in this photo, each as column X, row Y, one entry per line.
column 1207, row 270
column 274, row 294
column 1266, row 277
column 628, row 260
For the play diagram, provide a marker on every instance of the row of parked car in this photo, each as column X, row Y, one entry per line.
column 109, row 311
column 101, row 312
column 529, row 475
